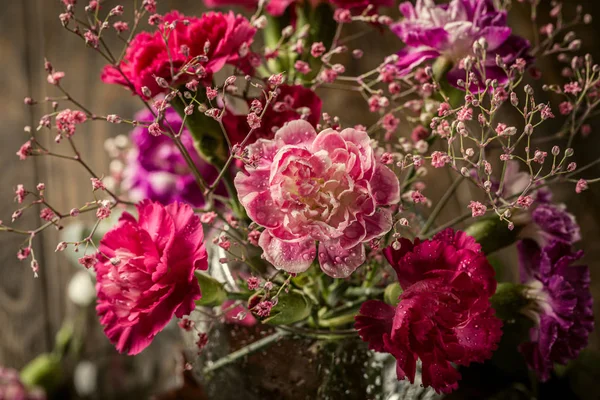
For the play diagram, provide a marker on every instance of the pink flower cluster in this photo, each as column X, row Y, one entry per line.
column 325, row 187
column 220, row 38
column 145, row 272
column 444, row 316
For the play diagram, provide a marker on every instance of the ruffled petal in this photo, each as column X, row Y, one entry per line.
column 292, row 257
column 373, row 322
column 385, row 186
column 338, row 262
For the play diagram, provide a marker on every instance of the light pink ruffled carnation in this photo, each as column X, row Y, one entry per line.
column 310, row 187
column 145, row 272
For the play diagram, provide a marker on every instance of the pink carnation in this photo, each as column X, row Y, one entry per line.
column 147, row 56
column 145, row 272
column 325, row 187
column 444, row 316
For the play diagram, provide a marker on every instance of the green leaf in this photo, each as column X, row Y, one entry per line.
column 291, row 307
column 492, row 234
column 213, row 292
column 43, row 371
column 392, row 294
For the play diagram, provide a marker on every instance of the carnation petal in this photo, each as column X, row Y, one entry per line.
column 373, row 322
column 338, row 262
column 261, row 209
column 294, row 257
column 297, row 133
column 385, row 186
column 378, row 224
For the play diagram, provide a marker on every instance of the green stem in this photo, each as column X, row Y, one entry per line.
column 243, row 352
column 440, row 205
column 337, row 321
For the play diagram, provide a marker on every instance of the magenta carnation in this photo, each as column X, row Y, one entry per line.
column 145, row 272
column 449, row 31
column 562, row 309
column 292, row 102
column 444, row 316
column 309, row 187
column 148, row 57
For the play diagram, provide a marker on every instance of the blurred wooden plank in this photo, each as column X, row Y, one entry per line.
column 23, row 306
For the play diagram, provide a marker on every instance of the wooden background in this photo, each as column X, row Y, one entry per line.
column 31, row 310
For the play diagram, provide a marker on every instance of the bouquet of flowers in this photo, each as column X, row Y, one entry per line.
column 243, row 201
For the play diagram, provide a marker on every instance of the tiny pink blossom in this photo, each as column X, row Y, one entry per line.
column 253, row 283
column 342, row 16
column 328, row 75
column 55, row 77
column 443, row 109
column 439, row 159
column 97, row 184
column 387, row 158
column 477, row 209
column 565, row 108
column 186, row 324
column 276, row 79
column 224, row 243
column 16, row 215
column 211, row 93
column 525, row 202
column 20, row 192
column 91, row 39
column 419, row 133
column 418, row 197
column 394, row 88
column 465, row 114
column 47, row 214
column 88, row 260
column 154, row 129
column 23, row 254
column 208, row 217
column 149, row 5
column 67, row 120
column 572, row 88
column 61, row 247
column 263, row 309
column 253, row 121
column 390, row 122
column 586, row 129
column 103, row 213
column 317, row 49
column 546, row 112
column 500, row 128
column 202, row 341
column 539, row 156
column 121, row 26
column 581, row 186
column 302, row 67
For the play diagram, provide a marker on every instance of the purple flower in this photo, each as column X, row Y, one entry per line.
column 555, row 223
column 156, row 169
column 449, row 31
column 563, row 304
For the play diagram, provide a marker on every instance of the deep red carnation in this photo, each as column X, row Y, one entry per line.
column 289, row 105
column 444, row 315
column 145, row 272
column 148, row 57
